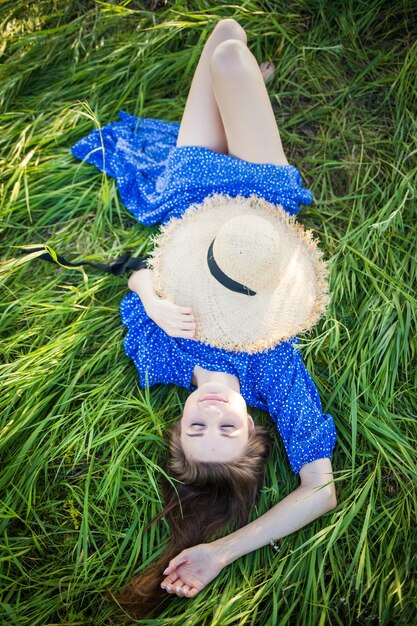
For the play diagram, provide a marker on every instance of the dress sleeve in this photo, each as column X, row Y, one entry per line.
column 156, row 355
column 294, row 404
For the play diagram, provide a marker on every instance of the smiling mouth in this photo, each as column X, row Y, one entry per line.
column 211, row 398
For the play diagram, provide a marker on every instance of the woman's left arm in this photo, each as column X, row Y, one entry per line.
column 192, row 569
column 315, row 496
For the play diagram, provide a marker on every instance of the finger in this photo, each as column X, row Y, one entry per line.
column 186, row 316
column 169, row 580
column 171, row 587
column 183, row 320
column 184, row 590
column 187, row 320
column 188, row 327
column 193, row 592
column 178, row 586
column 181, row 558
column 179, row 330
column 184, row 326
column 186, row 309
column 185, row 334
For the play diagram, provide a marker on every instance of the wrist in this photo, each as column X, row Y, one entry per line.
column 150, row 303
column 223, row 551
column 140, row 282
column 135, row 280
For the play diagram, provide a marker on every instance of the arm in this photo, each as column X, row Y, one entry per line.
column 309, row 437
column 174, row 320
column 141, row 283
column 195, row 567
column 315, row 496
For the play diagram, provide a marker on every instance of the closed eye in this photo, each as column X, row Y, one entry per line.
column 222, row 425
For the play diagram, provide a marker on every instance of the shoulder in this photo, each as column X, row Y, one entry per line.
column 276, row 362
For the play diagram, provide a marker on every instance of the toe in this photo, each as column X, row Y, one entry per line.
column 267, row 68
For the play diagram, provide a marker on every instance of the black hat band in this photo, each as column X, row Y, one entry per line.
column 222, row 278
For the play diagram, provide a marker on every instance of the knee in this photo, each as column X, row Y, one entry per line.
column 230, row 55
column 230, row 29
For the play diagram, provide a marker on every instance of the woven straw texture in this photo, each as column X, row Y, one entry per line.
column 256, row 243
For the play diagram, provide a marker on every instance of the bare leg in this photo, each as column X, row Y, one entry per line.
column 246, row 111
column 201, row 124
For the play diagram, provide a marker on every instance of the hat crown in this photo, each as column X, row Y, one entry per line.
column 247, row 249
column 193, row 266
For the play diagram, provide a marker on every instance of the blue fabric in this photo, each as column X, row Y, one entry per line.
column 157, row 180
column 275, row 380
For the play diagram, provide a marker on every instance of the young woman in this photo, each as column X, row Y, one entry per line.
column 227, row 143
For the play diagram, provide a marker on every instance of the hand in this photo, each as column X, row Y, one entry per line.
column 175, row 320
column 192, row 569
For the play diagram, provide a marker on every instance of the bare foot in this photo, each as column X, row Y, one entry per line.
column 267, row 69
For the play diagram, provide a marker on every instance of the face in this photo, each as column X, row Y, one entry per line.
column 215, row 425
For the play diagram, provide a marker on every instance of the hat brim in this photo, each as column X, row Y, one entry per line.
column 224, row 318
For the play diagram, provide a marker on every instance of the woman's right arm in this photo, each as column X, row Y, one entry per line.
column 175, row 320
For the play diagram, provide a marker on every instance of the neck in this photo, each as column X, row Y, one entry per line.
column 202, row 376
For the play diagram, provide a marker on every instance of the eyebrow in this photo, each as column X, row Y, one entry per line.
column 202, row 435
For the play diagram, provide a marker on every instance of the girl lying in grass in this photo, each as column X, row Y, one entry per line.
column 230, row 284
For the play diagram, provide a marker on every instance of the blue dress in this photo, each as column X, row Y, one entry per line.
column 158, row 180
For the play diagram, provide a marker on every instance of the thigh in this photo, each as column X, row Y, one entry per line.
column 201, row 123
column 245, row 108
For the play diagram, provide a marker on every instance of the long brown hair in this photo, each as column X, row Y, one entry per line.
column 208, row 497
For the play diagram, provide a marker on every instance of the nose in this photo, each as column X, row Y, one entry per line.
column 213, row 409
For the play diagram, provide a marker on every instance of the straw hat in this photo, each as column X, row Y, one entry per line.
column 252, row 275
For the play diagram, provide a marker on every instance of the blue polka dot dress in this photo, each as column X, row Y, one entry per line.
column 158, row 180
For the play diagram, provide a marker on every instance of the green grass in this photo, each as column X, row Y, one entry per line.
column 81, row 444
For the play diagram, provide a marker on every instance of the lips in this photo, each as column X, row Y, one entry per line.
column 213, row 397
